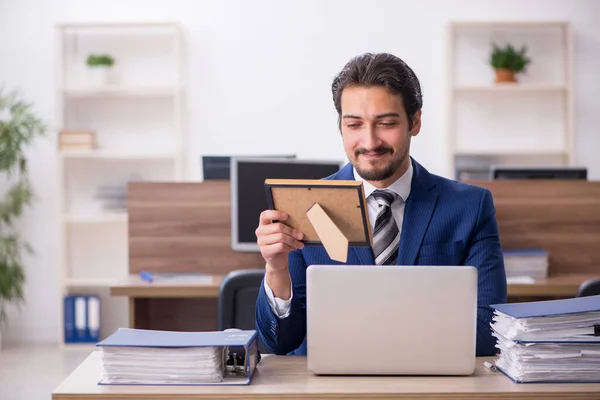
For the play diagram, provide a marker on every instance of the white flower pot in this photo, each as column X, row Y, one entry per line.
column 98, row 76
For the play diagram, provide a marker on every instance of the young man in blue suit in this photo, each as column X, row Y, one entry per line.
column 417, row 218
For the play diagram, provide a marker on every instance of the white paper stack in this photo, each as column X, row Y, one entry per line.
column 549, row 341
column 139, row 365
column 531, row 263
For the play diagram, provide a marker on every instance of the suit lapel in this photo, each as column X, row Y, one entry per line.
column 417, row 214
column 344, row 174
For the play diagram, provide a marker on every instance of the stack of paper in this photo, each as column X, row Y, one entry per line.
column 137, row 356
column 549, row 341
column 532, row 263
column 138, row 365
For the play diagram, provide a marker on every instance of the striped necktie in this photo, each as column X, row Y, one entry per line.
column 386, row 235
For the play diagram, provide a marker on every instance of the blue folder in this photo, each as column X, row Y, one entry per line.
column 127, row 337
column 550, row 307
column 243, row 340
column 82, row 317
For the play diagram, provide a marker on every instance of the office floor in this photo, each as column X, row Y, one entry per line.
column 32, row 372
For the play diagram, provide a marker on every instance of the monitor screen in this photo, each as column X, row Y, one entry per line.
column 248, row 197
column 523, row 172
column 218, row 167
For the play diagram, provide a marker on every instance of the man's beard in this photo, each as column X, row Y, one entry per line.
column 383, row 173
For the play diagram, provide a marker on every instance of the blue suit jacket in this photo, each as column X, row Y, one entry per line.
column 445, row 223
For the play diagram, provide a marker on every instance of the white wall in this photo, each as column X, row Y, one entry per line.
column 259, row 81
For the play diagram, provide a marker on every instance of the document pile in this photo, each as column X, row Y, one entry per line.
column 532, row 263
column 148, row 357
column 549, row 341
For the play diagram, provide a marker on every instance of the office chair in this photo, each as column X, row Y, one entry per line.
column 590, row 287
column 237, row 300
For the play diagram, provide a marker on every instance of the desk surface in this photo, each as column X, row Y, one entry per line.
column 133, row 286
column 286, row 377
column 559, row 286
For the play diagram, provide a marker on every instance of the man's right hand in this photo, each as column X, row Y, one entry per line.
column 276, row 240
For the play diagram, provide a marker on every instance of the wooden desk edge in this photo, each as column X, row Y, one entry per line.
column 559, row 286
column 82, row 384
column 170, row 292
column 133, row 286
column 556, row 286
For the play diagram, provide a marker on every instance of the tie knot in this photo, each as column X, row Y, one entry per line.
column 384, row 198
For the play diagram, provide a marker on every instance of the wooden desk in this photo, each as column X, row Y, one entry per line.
column 135, row 287
column 561, row 286
column 177, row 304
column 152, row 305
column 186, row 227
column 286, row 377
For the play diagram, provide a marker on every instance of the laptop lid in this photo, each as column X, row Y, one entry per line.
column 391, row 320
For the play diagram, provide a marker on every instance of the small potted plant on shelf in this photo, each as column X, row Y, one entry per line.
column 19, row 126
column 508, row 61
column 99, row 67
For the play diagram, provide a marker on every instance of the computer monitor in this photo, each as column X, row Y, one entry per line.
column 248, row 198
column 219, row 167
column 526, row 172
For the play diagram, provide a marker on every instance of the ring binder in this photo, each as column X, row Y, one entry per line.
column 151, row 357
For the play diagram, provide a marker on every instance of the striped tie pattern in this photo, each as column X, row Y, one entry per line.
column 386, row 235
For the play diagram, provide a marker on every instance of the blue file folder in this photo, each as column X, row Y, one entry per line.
column 550, row 307
column 69, row 319
column 243, row 340
column 81, row 318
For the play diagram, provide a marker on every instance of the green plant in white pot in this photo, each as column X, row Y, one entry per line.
column 99, row 66
column 19, row 126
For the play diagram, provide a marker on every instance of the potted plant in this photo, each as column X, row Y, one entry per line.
column 508, row 61
column 99, row 67
column 19, row 126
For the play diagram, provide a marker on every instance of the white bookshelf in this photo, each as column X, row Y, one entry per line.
column 137, row 120
column 529, row 122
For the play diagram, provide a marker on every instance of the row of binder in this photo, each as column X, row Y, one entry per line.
column 81, row 318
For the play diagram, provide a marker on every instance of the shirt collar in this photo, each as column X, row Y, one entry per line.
column 400, row 186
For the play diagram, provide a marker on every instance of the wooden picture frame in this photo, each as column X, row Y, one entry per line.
column 332, row 213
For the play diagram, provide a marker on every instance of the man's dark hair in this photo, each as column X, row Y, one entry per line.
column 379, row 69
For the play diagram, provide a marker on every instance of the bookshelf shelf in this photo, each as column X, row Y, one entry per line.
column 500, row 152
column 113, row 130
column 116, row 155
column 122, row 91
column 89, row 282
column 96, row 219
column 512, row 88
column 529, row 122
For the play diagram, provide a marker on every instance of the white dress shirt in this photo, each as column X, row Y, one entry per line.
column 401, row 186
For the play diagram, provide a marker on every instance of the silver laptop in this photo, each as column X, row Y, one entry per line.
column 391, row 320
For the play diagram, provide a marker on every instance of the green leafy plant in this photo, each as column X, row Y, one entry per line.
column 19, row 126
column 100, row 60
column 509, row 58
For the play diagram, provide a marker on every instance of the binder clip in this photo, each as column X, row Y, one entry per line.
column 235, row 364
